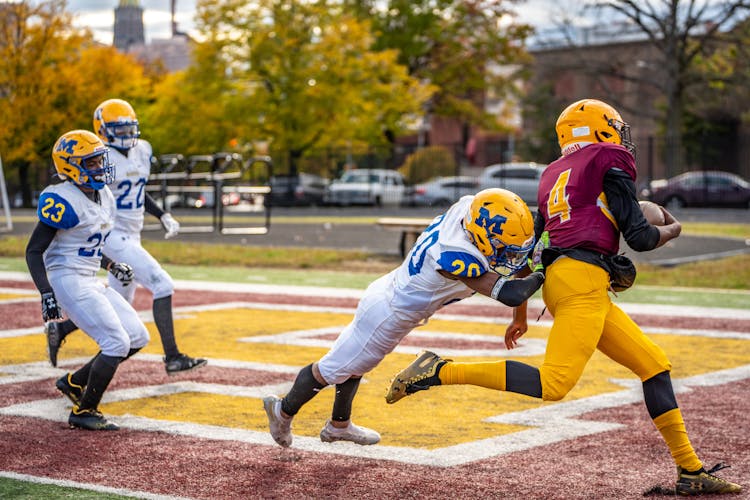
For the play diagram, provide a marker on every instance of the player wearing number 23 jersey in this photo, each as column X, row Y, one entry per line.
column 64, row 254
column 457, row 255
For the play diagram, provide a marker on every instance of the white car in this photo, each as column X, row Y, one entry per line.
column 522, row 178
column 367, row 187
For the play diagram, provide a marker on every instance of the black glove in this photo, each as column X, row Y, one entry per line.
column 621, row 272
column 123, row 272
column 50, row 309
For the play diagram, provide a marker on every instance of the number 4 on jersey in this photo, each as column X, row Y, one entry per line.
column 557, row 203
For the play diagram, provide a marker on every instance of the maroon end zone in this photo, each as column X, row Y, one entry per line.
column 621, row 463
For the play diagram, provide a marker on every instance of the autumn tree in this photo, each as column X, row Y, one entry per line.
column 52, row 76
column 302, row 75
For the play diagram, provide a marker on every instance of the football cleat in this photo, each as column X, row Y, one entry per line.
column 418, row 376
column 72, row 391
column 183, row 363
column 703, row 482
column 55, row 339
column 90, row 419
column 353, row 433
column 280, row 426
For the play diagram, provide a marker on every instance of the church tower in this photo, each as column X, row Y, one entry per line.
column 128, row 25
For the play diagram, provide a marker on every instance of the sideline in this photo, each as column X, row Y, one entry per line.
column 690, row 311
column 65, row 483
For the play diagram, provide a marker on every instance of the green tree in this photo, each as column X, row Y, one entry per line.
column 471, row 50
column 303, row 75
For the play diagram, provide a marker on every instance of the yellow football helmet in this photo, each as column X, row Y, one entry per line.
column 116, row 124
column 588, row 121
column 500, row 225
column 80, row 156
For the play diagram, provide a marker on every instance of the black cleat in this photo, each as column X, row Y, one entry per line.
column 91, row 420
column 55, row 339
column 72, row 391
column 183, row 363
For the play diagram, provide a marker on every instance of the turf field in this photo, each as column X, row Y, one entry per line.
column 204, row 435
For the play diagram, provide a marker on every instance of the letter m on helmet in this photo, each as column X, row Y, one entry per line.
column 493, row 225
column 67, row 145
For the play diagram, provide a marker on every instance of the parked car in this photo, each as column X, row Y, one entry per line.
column 704, row 188
column 302, row 189
column 367, row 187
column 441, row 191
column 521, row 177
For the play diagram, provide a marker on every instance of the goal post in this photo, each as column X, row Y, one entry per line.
column 4, row 202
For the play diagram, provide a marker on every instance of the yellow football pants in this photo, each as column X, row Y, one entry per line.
column 576, row 294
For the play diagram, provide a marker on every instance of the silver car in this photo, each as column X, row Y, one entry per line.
column 521, row 177
column 441, row 191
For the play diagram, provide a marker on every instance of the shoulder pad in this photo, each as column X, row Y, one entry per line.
column 56, row 211
column 461, row 264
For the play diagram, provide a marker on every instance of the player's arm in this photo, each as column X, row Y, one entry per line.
column 171, row 226
column 511, row 292
column 641, row 236
column 38, row 243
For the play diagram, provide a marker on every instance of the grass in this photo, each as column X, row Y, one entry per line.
column 275, row 264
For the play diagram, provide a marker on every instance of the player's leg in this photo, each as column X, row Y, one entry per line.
column 83, row 299
column 576, row 294
column 340, row 427
column 149, row 274
column 624, row 342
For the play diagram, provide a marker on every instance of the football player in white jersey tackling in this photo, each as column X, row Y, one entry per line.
column 475, row 246
column 116, row 124
column 64, row 253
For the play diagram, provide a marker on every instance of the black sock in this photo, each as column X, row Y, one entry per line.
column 342, row 403
column 522, row 379
column 81, row 376
column 102, row 370
column 162, row 309
column 304, row 389
column 131, row 352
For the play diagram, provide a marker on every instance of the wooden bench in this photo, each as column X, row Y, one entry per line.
column 410, row 229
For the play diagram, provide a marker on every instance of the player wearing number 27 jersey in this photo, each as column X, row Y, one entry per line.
column 455, row 256
column 116, row 125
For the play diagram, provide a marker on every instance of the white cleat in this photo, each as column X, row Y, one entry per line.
column 353, row 433
column 280, row 426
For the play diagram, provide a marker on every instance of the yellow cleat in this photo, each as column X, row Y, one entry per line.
column 703, row 482
column 418, row 376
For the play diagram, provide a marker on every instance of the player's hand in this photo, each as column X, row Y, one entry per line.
column 123, row 272
column 171, row 226
column 514, row 332
column 50, row 309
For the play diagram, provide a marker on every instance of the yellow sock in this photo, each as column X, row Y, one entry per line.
column 489, row 374
column 672, row 429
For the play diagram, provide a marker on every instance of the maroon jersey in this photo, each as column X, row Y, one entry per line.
column 571, row 198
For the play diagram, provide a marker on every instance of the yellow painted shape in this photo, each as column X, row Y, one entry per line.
column 431, row 419
column 15, row 296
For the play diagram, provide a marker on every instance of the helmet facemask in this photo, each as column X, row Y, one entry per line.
column 93, row 175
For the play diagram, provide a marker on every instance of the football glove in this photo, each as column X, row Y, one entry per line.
column 50, row 309
column 535, row 261
column 171, row 226
column 123, row 272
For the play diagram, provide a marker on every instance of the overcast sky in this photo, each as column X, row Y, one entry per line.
column 99, row 15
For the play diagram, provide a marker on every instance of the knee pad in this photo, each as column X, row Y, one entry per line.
column 160, row 284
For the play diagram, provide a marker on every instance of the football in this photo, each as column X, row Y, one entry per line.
column 652, row 212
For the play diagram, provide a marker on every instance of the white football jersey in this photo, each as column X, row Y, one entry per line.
column 129, row 187
column 83, row 226
column 444, row 245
